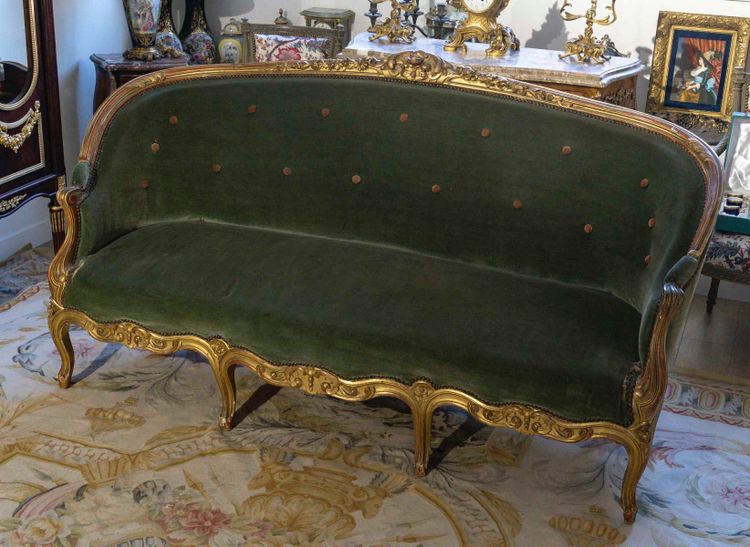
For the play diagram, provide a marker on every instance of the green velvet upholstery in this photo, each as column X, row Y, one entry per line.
column 386, row 277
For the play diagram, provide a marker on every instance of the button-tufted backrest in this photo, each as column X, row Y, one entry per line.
column 497, row 181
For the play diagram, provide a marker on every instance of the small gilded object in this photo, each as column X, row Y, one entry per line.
column 173, row 120
column 586, row 47
column 252, row 109
column 588, row 228
column 486, row 132
column 404, row 117
column 155, row 147
column 436, row 189
column 356, row 179
column 325, row 112
column 651, row 222
column 481, row 25
column 216, row 168
column 287, row 171
column 517, row 204
column 394, row 27
column 644, row 183
column 566, row 150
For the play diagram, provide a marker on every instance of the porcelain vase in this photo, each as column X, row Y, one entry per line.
column 195, row 34
column 167, row 41
column 143, row 23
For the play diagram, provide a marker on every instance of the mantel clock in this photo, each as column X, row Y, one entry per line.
column 481, row 24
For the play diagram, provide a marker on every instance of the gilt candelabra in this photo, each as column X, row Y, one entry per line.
column 586, row 47
column 395, row 28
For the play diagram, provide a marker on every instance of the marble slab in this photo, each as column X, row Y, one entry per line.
column 528, row 64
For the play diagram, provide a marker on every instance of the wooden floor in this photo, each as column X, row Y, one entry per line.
column 716, row 345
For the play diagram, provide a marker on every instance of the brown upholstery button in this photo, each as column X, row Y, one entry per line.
column 436, row 189
column 567, row 150
column 287, row 171
column 404, row 117
column 216, row 168
column 588, row 228
column 325, row 112
column 144, row 184
column 173, row 120
column 647, row 260
column 517, row 204
column 356, row 179
column 651, row 222
column 155, row 147
column 486, row 132
column 645, row 183
column 252, row 109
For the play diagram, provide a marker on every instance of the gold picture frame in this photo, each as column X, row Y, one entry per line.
column 694, row 67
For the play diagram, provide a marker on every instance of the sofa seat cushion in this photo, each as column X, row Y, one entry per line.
column 367, row 310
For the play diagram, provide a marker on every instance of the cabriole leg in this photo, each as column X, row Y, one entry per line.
column 60, row 331
column 228, row 390
column 638, row 453
column 422, row 436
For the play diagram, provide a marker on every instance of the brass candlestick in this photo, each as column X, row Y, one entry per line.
column 395, row 28
column 586, row 47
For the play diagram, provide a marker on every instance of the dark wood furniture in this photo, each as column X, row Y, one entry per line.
column 338, row 19
column 31, row 150
column 112, row 71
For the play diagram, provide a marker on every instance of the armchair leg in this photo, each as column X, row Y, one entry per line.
column 713, row 293
column 638, row 454
column 60, row 331
column 228, row 390
column 422, row 436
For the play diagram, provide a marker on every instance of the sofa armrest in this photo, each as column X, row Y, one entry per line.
column 680, row 276
column 69, row 199
column 661, row 320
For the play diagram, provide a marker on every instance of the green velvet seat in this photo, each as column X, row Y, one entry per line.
column 399, row 228
column 360, row 310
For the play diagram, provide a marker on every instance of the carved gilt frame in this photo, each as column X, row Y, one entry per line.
column 694, row 119
column 249, row 30
column 410, row 68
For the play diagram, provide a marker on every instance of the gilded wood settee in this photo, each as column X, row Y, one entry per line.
column 399, row 228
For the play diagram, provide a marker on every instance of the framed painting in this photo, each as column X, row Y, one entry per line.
column 696, row 58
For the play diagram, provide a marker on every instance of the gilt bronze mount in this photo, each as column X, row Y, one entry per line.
column 483, row 27
column 395, row 28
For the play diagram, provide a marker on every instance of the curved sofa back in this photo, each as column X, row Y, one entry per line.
column 467, row 167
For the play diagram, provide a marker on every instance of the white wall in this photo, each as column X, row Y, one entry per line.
column 98, row 26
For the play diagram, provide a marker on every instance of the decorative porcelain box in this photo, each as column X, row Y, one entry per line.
column 735, row 214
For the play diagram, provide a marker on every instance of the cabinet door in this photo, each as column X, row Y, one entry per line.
column 31, row 160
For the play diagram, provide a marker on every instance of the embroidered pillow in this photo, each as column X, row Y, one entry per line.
column 272, row 47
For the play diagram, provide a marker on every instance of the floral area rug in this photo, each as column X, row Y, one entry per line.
column 131, row 455
column 25, row 268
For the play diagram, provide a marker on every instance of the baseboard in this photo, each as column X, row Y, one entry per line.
column 29, row 225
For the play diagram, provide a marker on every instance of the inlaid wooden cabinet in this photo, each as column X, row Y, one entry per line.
column 31, row 151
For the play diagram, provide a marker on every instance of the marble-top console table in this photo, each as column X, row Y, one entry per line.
column 613, row 81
